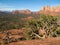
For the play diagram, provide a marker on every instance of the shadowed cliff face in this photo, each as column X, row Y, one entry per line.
column 50, row 10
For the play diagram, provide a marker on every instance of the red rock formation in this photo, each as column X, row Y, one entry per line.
column 50, row 10
column 45, row 10
column 21, row 12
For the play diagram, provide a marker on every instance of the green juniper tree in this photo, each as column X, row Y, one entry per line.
column 46, row 23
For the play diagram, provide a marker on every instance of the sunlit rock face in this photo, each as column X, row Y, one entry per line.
column 50, row 10
column 57, row 9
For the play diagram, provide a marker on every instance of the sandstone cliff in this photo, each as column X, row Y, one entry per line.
column 50, row 10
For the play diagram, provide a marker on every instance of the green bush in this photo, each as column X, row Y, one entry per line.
column 47, row 23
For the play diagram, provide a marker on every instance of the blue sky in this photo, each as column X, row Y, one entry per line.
column 33, row 5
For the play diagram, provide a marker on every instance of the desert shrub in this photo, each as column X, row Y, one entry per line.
column 58, row 33
column 31, row 28
column 47, row 23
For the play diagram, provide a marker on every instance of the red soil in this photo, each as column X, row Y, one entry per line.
column 49, row 41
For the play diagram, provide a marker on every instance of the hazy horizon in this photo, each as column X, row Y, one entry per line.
column 33, row 5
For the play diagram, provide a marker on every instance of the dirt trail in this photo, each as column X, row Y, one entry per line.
column 49, row 41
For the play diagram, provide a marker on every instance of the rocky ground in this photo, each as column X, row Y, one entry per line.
column 15, row 34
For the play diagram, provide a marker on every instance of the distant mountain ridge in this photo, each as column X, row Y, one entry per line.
column 44, row 10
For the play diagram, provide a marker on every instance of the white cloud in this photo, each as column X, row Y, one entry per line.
column 6, row 7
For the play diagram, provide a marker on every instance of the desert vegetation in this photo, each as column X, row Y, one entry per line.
column 45, row 26
column 19, row 27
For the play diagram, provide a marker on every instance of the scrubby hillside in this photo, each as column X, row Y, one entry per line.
column 13, row 21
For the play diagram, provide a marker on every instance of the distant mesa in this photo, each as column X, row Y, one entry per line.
column 21, row 12
column 27, row 11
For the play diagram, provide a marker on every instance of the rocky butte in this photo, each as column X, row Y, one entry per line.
column 52, row 10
